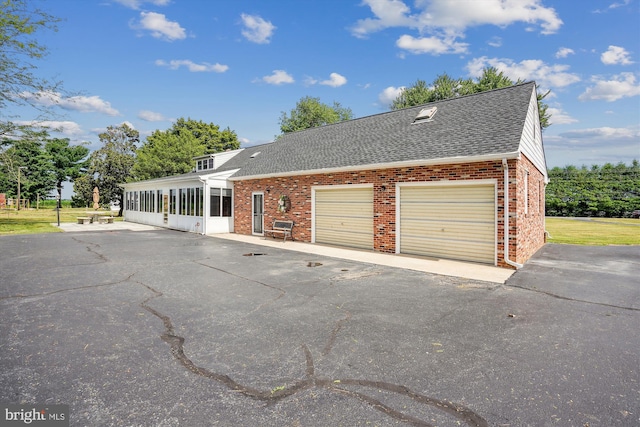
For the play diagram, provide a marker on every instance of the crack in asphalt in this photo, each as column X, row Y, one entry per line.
column 551, row 294
column 334, row 334
column 44, row 294
column 100, row 256
column 311, row 380
column 281, row 292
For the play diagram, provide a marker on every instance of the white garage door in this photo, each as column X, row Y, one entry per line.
column 456, row 222
column 344, row 217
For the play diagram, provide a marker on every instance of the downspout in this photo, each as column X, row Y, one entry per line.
column 204, row 201
column 505, row 168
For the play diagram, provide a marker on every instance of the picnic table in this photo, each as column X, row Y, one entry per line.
column 96, row 216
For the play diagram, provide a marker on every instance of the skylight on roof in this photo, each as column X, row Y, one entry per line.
column 425, row 114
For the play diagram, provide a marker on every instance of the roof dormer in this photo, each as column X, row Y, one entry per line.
column 211, row 162
column 205, row 163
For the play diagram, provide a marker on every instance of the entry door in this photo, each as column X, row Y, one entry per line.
column 165, row 208
column 258, row 213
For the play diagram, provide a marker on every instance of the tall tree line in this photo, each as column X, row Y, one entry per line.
column 38, row 165
column 599, row 191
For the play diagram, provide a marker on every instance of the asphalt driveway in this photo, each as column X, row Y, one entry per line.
column 163, row 328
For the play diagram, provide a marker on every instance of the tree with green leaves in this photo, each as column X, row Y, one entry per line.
column 19, row 51
column 112, row 164
column 207, row 134
column 67, row 161
column 171, row 152
column 25, row 160
column 310, row 112
column 83, row 191
column 445, row 87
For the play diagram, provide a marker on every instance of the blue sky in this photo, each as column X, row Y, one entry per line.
column 241, row 63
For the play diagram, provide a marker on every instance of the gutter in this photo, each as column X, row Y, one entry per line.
column 378, row 166
column 505, row 168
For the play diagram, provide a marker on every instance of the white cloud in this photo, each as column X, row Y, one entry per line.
column 85, row 104
column 431, row 45
column 448, row 14
column 617, row 5
column 278, row 77
column 495, row 42
column 389, row 13
column 310, row 81
column 151, row 116
column 592, row 146
column 67, row 128
column 560, row 117
column 448, row 18
column 335, row 80
column 613, row 6
column 607, row 133
column 621, row 86
column 256, row 29
column 160, row 27
column 615, row 55
column 174, row 64
column 387, row 96
column 546, row 75
column 136, row 4
column 563, row 52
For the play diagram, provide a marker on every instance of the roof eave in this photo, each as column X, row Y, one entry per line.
column 390, row 165
column 179, row 178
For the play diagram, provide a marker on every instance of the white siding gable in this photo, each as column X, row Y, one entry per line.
column 223, row 157
column 531, row 139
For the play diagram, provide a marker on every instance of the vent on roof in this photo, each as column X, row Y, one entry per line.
column 426, row 114
column 254, row 155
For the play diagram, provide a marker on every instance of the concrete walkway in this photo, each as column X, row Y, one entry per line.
column 445, row 267
column 117, row 225
column 465, row 270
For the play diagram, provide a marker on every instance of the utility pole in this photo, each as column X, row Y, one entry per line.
column 19, row 169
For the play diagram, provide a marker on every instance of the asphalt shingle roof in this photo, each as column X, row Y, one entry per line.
column 475, row 125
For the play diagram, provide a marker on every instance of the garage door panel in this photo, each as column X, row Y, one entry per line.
column 344, row 209
column 470, row 230
column 362, row 195
column 447, row 194
column 467, row 251
column 342, row 223
column 472, row 212
column 344, row 217
column 348, row 238
column 449, row 221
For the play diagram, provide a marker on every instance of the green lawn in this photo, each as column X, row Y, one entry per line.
column 30, row 221
column 594, row 231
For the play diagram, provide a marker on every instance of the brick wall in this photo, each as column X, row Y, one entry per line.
column 529, row 221
column 298, row 191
